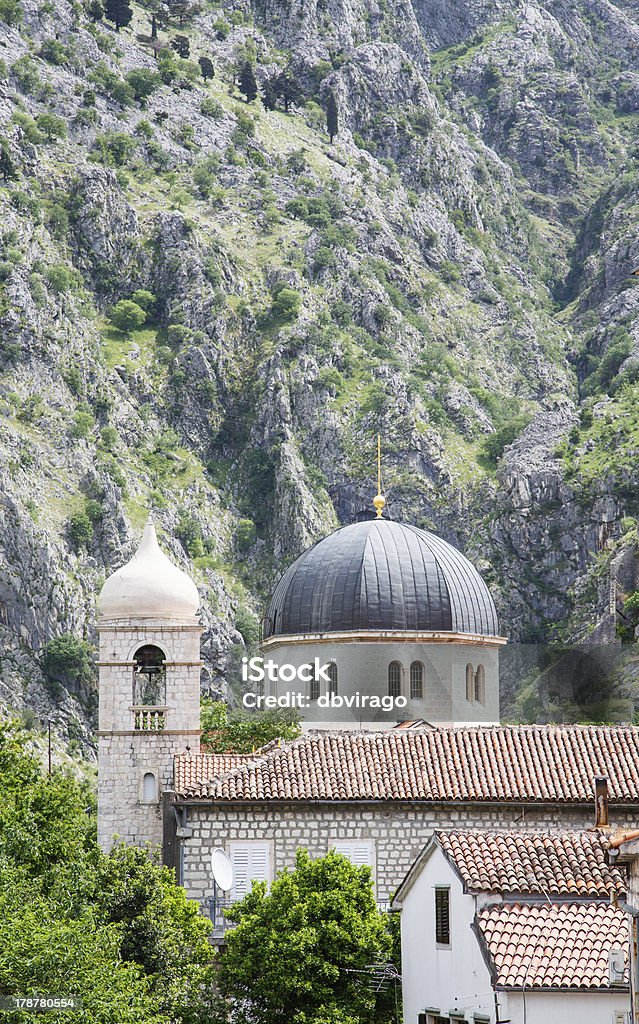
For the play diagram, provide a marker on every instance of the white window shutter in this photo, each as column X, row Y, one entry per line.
column 359, row 854
column 250, row 862
column 241, row 863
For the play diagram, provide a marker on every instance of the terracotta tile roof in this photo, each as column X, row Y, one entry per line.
column 532, row 763
column 194, row 770
column 558, row 863
column 559, row 945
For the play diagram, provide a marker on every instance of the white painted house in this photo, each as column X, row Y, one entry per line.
column 514, row 928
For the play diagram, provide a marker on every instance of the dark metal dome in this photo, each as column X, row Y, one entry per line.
column 381, row 575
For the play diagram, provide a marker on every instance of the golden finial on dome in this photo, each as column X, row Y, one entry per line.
column 379, row 500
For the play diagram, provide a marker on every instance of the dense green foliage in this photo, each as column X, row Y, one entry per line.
column 226, row 731
column 300, row 953
column 68, row 658
column 115, row 930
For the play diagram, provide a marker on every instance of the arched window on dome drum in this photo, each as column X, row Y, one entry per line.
column 416, row 681
column 149, row 677
column 149, row 788
column 480, row 685
column 315, row 688
column 332, row 673
column 470, row 683
column 394, row 679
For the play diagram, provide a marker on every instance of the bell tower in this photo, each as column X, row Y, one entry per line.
column 149, row 682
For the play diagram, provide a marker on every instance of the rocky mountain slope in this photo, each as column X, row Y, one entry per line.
column 454, row 271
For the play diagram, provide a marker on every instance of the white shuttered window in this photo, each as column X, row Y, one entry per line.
column 251, row 861
column 359, row 852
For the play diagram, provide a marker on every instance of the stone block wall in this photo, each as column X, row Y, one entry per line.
column 398, row 831
column 126, row 754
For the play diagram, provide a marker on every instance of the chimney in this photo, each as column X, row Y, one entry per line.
column 601, row 802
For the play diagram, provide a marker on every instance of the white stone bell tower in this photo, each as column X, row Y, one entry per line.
column 149, row 671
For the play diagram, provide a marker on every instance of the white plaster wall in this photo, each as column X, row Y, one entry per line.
column 448, row 978
column 563, row 1007
column 363, row 667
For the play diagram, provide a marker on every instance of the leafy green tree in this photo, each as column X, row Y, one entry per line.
column 269, row 94
column 61, row 278
column 119, row 12
column 206, row 67
column 80, row 529
column 114, row 929
column 182, row 10
column 29, row 128
column 161, row 930
column 116, row 147
column 288, row 88
column 181, row 45
column 298, row 951
column 127, row 315
column 8, row 169
column 247, row 83
column 53, row 51
column 146, row 300
column 41, row 951
column 245, row 534
column 286, row 302
column 332, row 125
column 237, row 731
column 493, row 446
column 95, row 10
column 189, row 533
column 144, row 83
column 10, row 12
column 68, row 658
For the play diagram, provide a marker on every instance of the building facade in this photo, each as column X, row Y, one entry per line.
column 391, row 611
column 378, row 796
column 523, row 927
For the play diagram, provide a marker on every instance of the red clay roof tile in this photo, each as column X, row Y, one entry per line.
column 560, row 945
column 531, row 763
column 533, row 863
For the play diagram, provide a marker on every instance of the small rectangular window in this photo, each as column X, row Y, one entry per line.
column 442, row 916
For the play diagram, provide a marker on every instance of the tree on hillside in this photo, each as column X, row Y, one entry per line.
column 51, row 126
column 182, row 10
column 247, row 82
column 95, row 10
column 144, row 83
column 332, row 125
column 287, row 86
column 300, row 952
column 158, row 11
column 8, row 169
column 206, row 67
column 127, row 315
column 119, row 12
column 68, row 659
column 269, row 94
column 181, row 46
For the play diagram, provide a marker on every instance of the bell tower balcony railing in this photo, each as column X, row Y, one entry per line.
column 149, row 717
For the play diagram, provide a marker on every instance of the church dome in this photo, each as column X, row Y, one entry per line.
column 149, row 586
column 381, row 575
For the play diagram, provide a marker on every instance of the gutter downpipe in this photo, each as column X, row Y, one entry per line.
column 181, row 814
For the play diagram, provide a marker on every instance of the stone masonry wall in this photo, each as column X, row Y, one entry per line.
column 126, row 754
column 398, row 832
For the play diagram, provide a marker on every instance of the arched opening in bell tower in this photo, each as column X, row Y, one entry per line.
column 149, row 677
